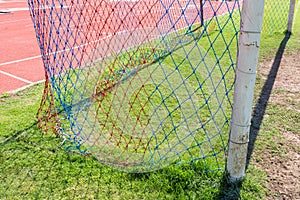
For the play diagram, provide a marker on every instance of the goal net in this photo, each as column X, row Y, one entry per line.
column 139, row 84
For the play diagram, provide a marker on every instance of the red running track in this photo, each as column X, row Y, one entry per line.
column 20, row 61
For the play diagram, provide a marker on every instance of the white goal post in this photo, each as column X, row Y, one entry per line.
column 247, row 60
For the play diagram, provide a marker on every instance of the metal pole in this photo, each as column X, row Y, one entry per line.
column 247, row 61
column 291, row 15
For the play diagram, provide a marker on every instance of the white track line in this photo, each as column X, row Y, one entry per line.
column 16, row 9
column 21, row 60
column 16, row 77
column 26, row 86
column 40, row 8
column 13, row 21
column 20, row 1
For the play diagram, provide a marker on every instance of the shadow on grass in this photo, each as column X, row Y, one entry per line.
column 229, row 190
column 261, row 105
column 17, row 134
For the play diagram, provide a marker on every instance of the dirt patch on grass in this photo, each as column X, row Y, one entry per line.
column 283, row 170
column 286, row 90
column 288, row 73
column 283, row 167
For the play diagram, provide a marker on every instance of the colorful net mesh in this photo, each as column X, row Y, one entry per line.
column 138, row 84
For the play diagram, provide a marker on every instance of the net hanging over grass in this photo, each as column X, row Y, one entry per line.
column 139, row 84
column 275, row 17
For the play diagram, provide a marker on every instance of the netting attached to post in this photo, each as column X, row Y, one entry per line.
column 139, row 84
column 275, row 16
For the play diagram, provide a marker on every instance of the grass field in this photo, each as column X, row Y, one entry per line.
column 33, row 166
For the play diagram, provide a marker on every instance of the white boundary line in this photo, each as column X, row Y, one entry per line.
column 24, row 87
column 13, row 21
column 27, row 8
column 21, row 60
column 14, row 1
column 15, row 77
column 16, row 9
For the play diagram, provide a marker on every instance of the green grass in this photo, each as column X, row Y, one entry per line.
column 33, row 165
